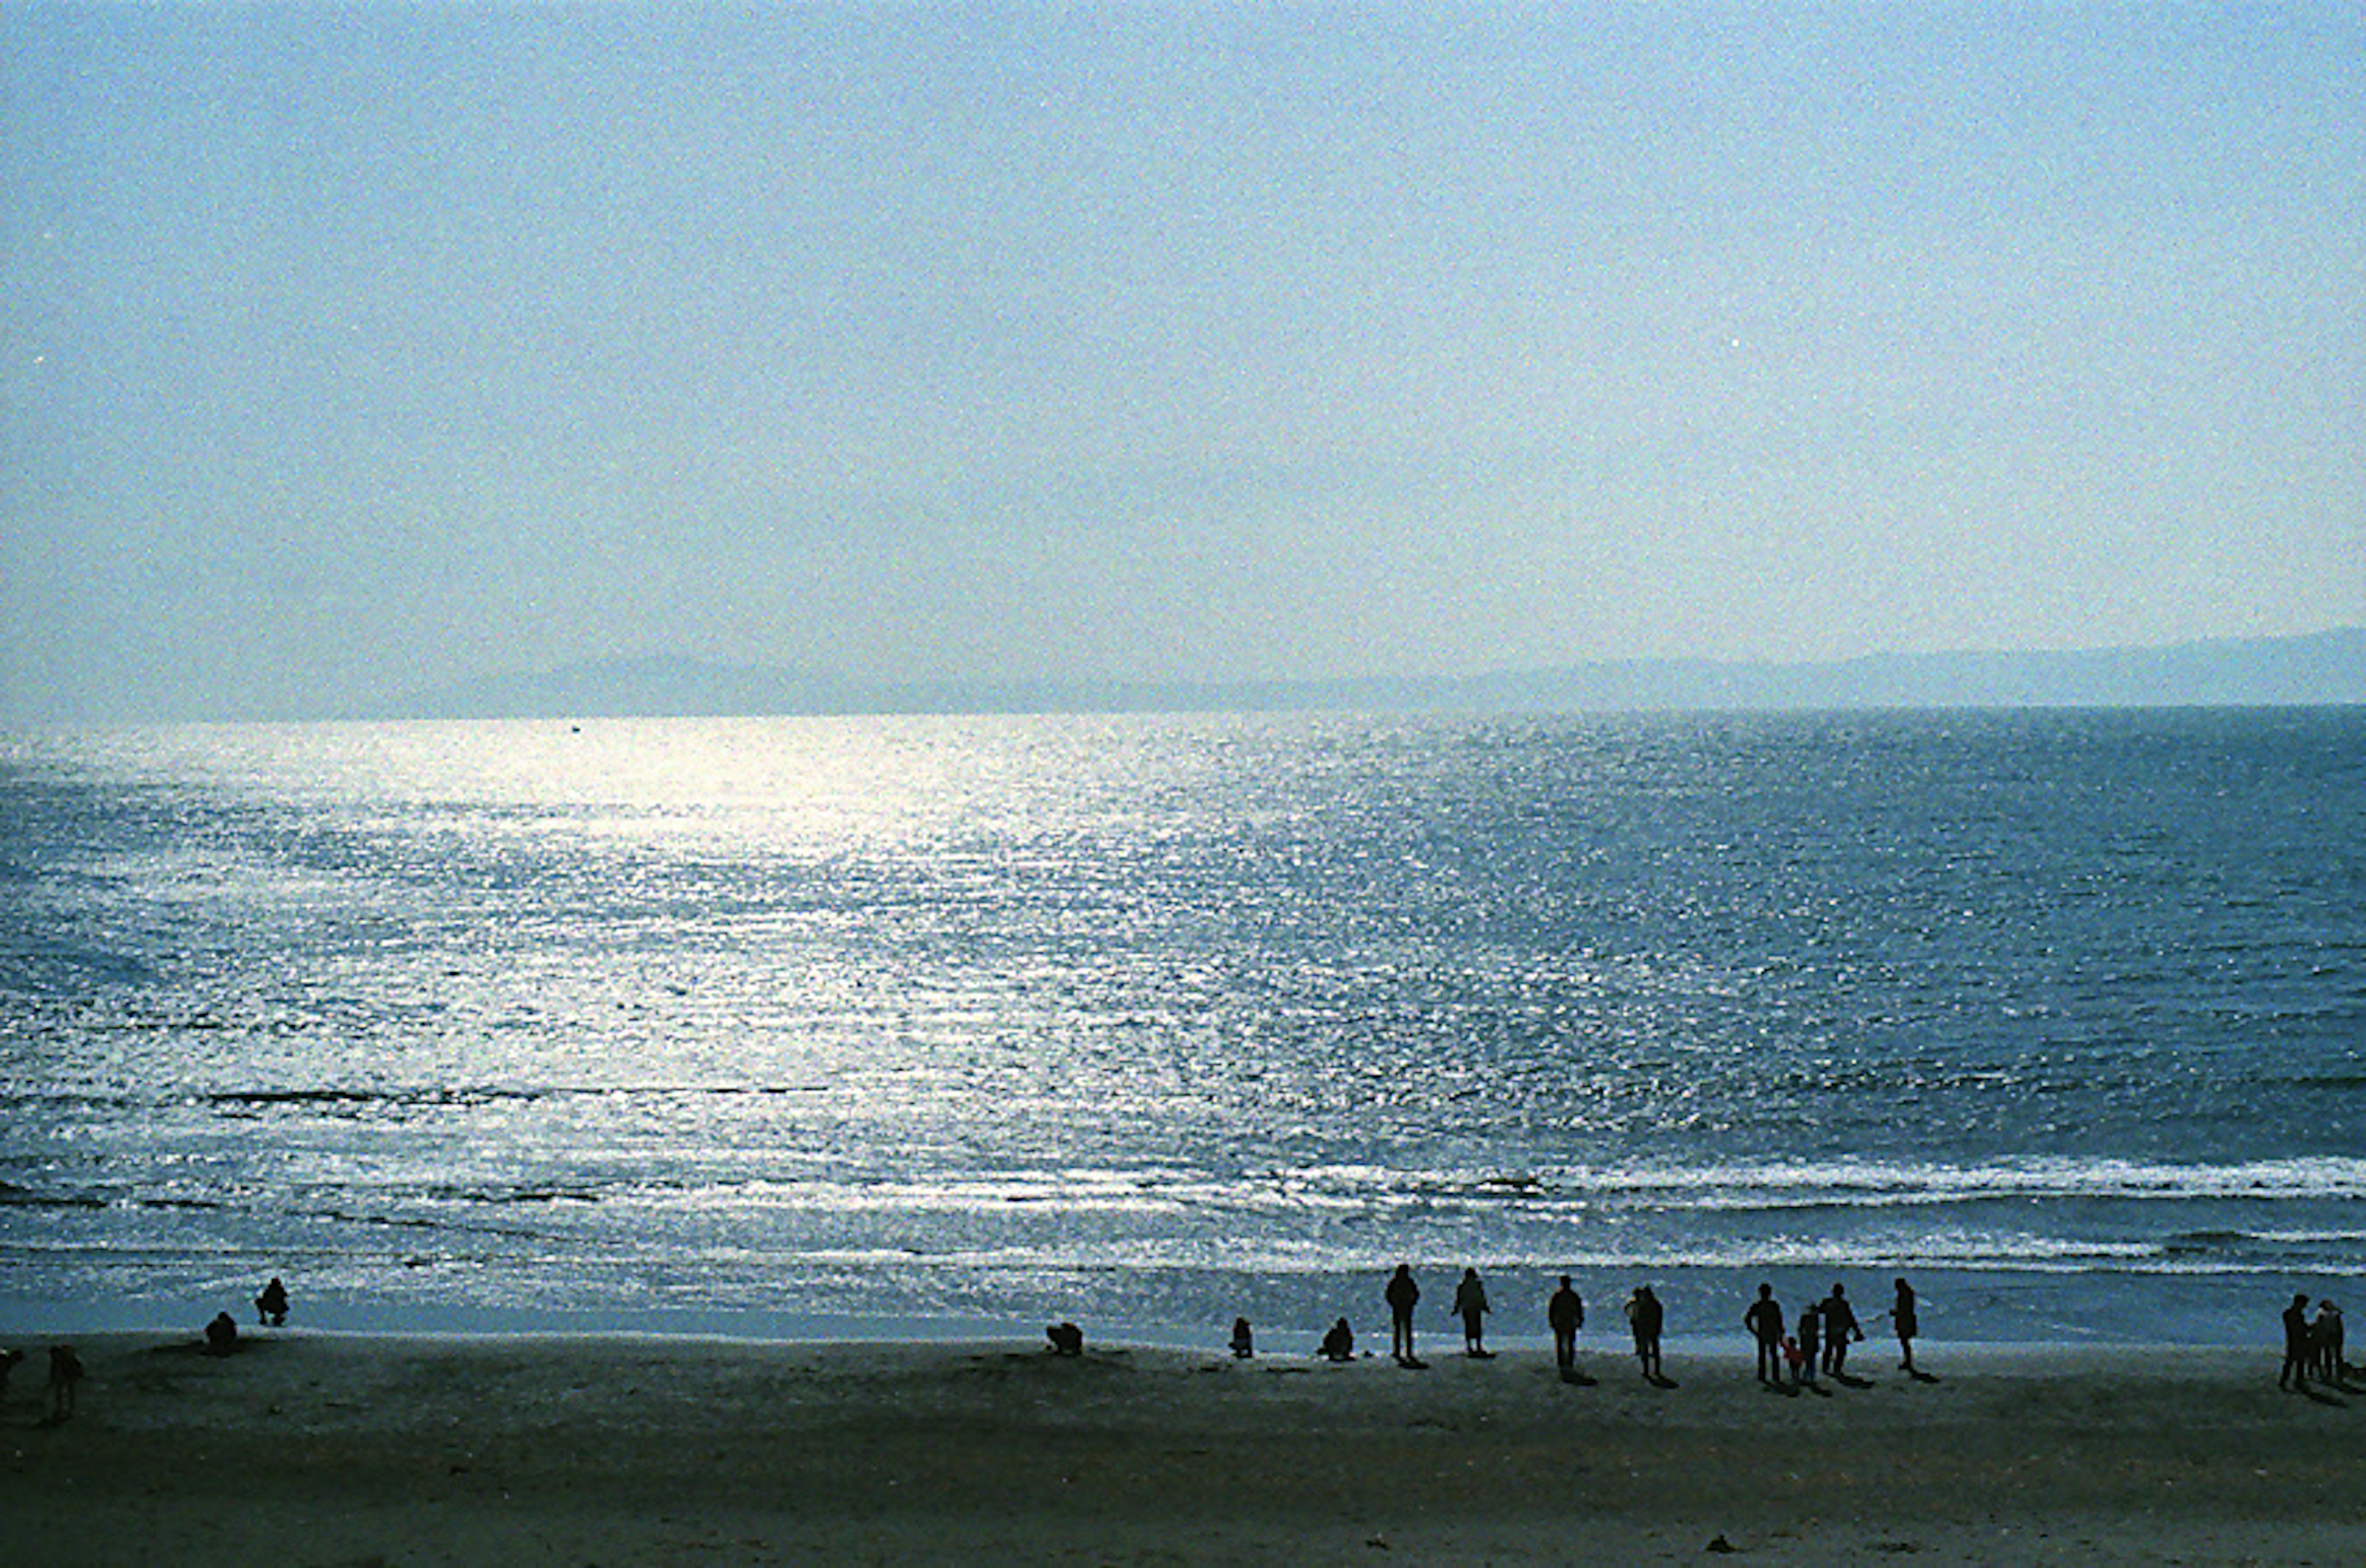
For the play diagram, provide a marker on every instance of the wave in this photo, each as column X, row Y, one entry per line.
column 14, row 1196
column 487, row 1094
column 1729, row 1191
column 38, row 968
column 1778, row 1186
column 1204, row 1256
column 1271, row 1200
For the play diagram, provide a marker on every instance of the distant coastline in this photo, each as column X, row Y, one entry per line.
column 2324, row 669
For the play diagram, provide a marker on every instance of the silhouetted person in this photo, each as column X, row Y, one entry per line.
column 2325, row 1343
column 65, row 1378
column 1339, row 1344
column 1902, row 1318
column 1765, row 1320
column 1066, row 1338
column 1470, row 1305
column 1794, row 1358
column 8, row 1360
column 221, row 1335
column 1566, row 1313
column 271, row 1306
column 1812, row 1341
column 1840, row 1327
column 1401, row 1294
column 2295, row 1368
column 1244, row 1343
column 1645, row 1317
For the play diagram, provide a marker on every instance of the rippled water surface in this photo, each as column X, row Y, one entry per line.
column 1152, row 1021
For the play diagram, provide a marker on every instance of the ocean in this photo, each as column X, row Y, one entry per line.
column 793, row 1027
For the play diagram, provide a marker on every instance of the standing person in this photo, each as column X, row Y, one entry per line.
column 2295, row 1370
column 1645, row 1317
column 1401, row 1294
column 2325, row 1343
column 1902, row 1318
column 1470, row 1305
column 1811, row 1343
column 65, row 1380
column 1840, row 1327
column 1765, row 1320
column 1566, row 1313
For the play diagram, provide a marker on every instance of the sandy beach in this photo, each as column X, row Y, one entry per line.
column 334, row 1450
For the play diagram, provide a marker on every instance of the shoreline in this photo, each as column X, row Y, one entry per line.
column 1191, row 1309
column 336, row 1447
column 1436, row 1341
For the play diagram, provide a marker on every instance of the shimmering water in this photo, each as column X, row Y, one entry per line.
column 772, row 1024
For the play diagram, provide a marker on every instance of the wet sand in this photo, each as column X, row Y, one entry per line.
column 305, row 1449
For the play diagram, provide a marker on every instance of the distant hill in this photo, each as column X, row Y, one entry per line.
column 2322, row 668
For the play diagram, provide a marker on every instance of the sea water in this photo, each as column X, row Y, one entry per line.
column 868, row 1024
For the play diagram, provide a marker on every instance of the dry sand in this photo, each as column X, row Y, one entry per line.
column 305, row 1449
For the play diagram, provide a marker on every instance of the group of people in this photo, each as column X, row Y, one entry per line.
column 1792, row 1354
column 65, row 1378
column 270, row 1309
column 1470, row 1304
column 1789, row 1355
column 2312, row 1346
column 1402, row 1293
column 65, row 1361
column 1819, row 1338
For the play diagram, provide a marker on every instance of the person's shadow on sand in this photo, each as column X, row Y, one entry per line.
column 1850, row 1379
column 1919, row 1375
column 1662, row 1380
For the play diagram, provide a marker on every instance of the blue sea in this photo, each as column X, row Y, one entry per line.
column 782, row 1027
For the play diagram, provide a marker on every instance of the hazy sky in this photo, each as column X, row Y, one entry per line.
column 355, row 349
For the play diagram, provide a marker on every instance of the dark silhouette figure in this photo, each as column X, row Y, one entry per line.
column 1794, row 1359
column 1401, row 1294
column 1243, row 1343
column 1646, row 1317
column 1765, row 1320
column 1902, row 1318
column 1066, row 1338
column 1840, row 1327
column 1566, row 1313
column 1470, row 1305
column 8, row 1360
column 1339, row 1344
column 271, row 1306
column 65, row 1379
column 2325, row 1344
column 221, row 1335
column 1811, row 1342
column 2296, row 1337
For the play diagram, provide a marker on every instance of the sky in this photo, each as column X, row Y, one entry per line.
column 347, row 351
